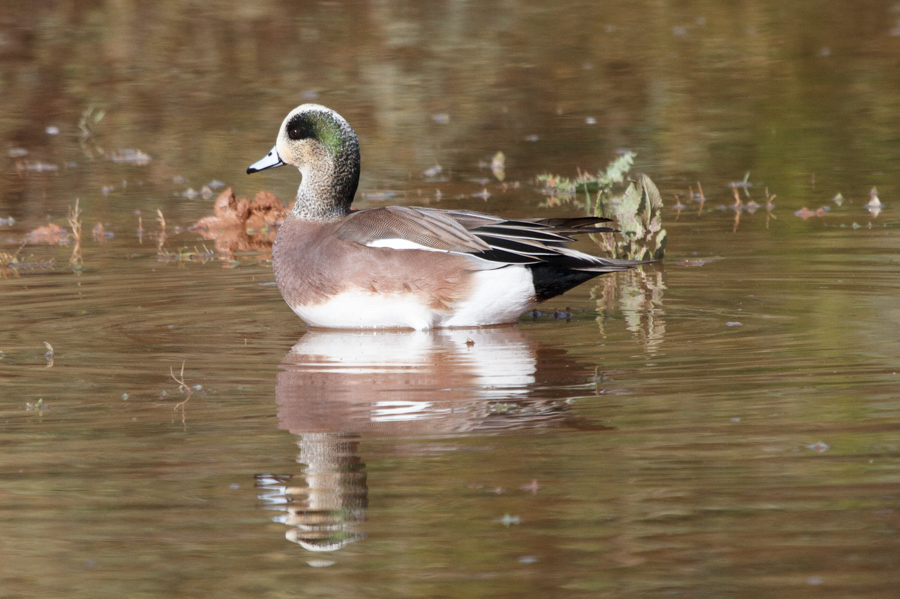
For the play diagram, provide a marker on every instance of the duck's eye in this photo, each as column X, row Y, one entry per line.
column 300, row 128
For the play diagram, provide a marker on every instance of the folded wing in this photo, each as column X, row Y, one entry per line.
column 483, row 236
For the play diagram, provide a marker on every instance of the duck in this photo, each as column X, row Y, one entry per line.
column 408, row 267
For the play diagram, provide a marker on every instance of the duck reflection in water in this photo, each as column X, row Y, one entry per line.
column 337, row 387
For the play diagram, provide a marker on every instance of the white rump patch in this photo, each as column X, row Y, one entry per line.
column 498, row 296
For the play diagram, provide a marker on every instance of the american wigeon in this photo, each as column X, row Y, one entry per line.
column 408, row 267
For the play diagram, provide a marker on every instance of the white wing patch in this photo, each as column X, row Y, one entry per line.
column 406, row 244
column 402, row 244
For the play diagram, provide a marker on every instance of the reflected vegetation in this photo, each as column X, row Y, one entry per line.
column 639, row 296
column 337, row 389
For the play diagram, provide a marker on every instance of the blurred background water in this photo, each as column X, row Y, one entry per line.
column 724, row 424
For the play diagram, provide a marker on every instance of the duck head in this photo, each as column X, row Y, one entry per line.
column 323, row 146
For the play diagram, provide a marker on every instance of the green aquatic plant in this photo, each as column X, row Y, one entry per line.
column 563, row 190
column 638, row 216
column 637, row 212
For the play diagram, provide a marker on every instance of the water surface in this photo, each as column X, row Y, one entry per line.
column 723, row 424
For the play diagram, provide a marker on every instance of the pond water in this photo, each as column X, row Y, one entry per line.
column 724, row 424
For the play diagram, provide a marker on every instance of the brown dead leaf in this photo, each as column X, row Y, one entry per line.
column 806, row 213
column 51, row 234
column 242, row 225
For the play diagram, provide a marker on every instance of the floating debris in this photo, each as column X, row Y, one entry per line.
column 100, row 234
column 484, row 194
column 36, row 167
column 89, row 119
column 734, row 323
column 51, row 130
column 50, row 355
column 51, row 234
column 533, row 486
column 498, row 166
column 819, row 447
column 508, row 520
column 590, row 121
column 441, row 118
column 838, row 199
column 745, row 184
column 874, row 205
column 11, row 264
column 873, row 199
column 215, row 184
column 692, row 263
column 433, row 171
column 39, row 406
column 7, row 221
column 242, row 225
column 563, row 315
column 806, row 213
column 129, row 156
column 17, row 152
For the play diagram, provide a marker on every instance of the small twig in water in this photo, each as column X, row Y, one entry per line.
column 182, row 386
column 769, row 207
column 702, row 197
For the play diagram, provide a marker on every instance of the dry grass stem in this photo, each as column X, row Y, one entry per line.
column 161, row 240
column 75, row 222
